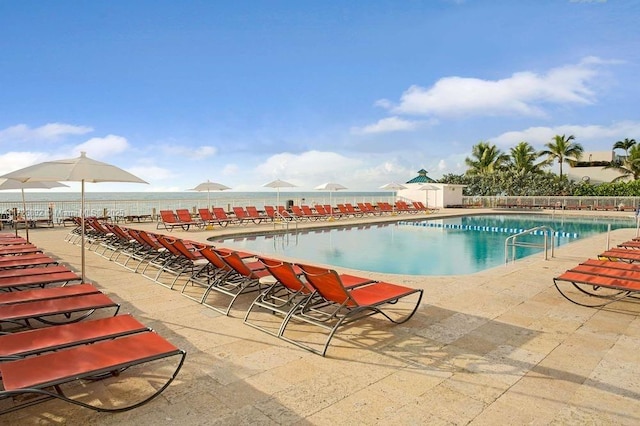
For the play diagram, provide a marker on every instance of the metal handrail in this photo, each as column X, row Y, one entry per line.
column 510, row 241
column 278, row 218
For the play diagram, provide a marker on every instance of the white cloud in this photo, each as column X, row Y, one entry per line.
column 98, row 148
column 48, row 132
column 385, row 125
column 594, row 137
column 523, row 93
column 194, row 153
column 11, row 161
column 312, row 167
column 152, row 173
column 230, row 169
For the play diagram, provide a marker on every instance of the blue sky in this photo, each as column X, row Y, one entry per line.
column 357, row 92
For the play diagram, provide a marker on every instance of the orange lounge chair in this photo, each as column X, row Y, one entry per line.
column 323, row 211
column 341, row 305
column 38, row 280
column 45, row 374
column 594, row 286
column 255, row 215
column 297, row 212
column 419, row 205
column 18, row 249
column 40, row 340
column 222, row 279
column 169, row 220
column 242, row 217
column 630, row 245
column 56, row 305
column 184, row 216
column 221, row 217
column 285, row 293
column 352, row 210
column 288, row 292
column 12, row 241
column 26, row 261
column 305, row 212
column 368, row 209
column 385, row 207
column 177, row 263
column 624, row 255
column 348, row 211
column 206, row 216
column 23, row 272
column 404, row 207
column 152, row 253
column 128, row 246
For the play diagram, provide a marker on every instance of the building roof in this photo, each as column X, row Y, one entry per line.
column 421, row 178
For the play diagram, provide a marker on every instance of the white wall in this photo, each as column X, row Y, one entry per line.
column 445, row 194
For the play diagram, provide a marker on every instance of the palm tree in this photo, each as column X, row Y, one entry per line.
column 630, row 166
column 486, row 158
column 523, row 160
column 562, row 149
column 625, row 144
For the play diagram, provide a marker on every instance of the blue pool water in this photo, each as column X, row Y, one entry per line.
column 451, row 246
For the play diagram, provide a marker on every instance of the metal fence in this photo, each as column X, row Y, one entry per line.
column 558, row 202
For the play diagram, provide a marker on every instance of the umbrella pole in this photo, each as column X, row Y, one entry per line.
column 331, row 203
column 82, row 230
column 26, row 222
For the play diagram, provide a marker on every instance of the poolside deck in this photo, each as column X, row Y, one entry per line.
column 496, row 347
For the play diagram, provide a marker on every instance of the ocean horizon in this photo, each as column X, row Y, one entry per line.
column 65, row 204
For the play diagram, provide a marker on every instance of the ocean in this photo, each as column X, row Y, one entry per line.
column 65, row 204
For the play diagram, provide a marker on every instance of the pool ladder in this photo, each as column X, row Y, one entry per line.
column 511, row 242
column 284, row 222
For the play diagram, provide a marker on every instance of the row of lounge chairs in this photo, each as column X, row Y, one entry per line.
column 182, row 218
column 298, row 293
column 49, row 341
column 614, row 275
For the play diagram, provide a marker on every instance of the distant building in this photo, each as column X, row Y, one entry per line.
column 423, row 188
column 591, row 169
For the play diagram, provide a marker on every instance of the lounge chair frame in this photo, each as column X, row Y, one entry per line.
column 52, row 306
column 599, row 283
column 87, row 362
column 334, row 305
column 285, row 294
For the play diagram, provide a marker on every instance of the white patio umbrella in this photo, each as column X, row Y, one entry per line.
column 278, row 184
column 330, row 186
column 393, row 186
column 80, row 169
column 426, row 188
column 209, row 186
column 6, row 184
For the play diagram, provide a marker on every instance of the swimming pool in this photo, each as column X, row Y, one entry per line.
column 448, row 246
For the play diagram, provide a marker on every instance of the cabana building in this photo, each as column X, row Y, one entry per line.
column 435, row 195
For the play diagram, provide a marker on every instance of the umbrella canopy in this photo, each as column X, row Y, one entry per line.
column 209, row 186
column 6, row 184
column 330, row 186
column 393, row 186
column 278, row 184
column 80, row 169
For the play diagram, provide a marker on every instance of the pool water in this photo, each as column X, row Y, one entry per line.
column 450, row 246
